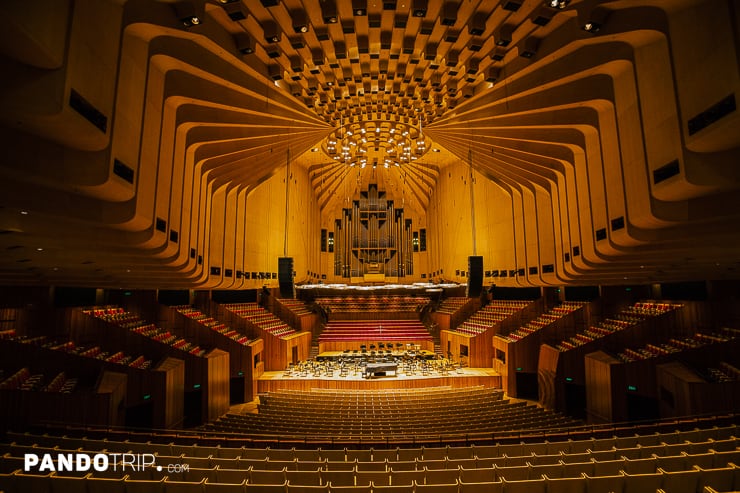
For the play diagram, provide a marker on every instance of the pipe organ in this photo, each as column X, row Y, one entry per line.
column 373, row 239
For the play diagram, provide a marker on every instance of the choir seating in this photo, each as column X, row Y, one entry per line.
column 340, row 335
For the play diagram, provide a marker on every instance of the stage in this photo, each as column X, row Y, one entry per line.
column 462, row 377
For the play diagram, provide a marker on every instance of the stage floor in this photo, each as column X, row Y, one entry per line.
column 465, row 377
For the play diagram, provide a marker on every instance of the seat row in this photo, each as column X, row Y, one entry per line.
column 695, row 480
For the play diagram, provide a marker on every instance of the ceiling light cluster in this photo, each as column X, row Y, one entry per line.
column 376, row 142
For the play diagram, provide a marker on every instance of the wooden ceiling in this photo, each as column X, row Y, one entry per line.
column 394, row 61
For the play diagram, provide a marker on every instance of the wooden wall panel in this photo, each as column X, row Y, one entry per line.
column 218, row 384
column 169, row 399
column 273, row 381
column 480, row 347
column 600, row 390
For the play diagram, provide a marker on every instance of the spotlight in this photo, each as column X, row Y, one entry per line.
column 359, row 7
column 329, row 12
column 478, row 26
column 504, row 35
column 420, row 8
column 530, row 47
column 272, row 32
column 596, row 20
column 185, row 12
column 244, row 43
column 558, row 4
column 300, row 21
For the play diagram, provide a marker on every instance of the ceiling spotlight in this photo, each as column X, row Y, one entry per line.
column 558, row 4
column 244, row 43
column 300, row 21
column 420, row 8
column 329, row 12
column 359, row 7
column 596, row 20
column 185, row 12
column 272, row 32
column 504, row 35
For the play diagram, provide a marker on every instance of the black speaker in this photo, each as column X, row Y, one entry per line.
column 475, row 276
column 285, row 276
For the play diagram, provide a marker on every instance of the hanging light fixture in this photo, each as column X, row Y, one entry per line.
column 380, row 140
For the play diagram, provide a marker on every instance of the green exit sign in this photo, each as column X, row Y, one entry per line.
column 632, row 388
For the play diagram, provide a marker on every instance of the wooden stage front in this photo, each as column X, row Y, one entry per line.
column 467, row 377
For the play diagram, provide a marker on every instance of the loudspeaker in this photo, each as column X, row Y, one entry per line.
column 475, row 276
column 285, row 276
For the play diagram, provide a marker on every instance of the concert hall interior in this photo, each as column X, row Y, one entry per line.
column 370, row 245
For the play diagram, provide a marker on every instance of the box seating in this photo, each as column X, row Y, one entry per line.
column 486, row 317
column 212, row 324
column 261, row 317
column 629, row 317
column 543, row 320
column 298, row 307
column 132, row 322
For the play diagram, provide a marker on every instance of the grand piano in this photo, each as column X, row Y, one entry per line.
column 379, row 369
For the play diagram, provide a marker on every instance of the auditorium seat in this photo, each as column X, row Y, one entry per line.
column 510, row 472
column 605, row 484
column 303, row 488
column 310, row 478
column 644, row 482
column 488, row 487
column 436, row 488
column 524, row 485
column 566, row 484
column 144, row 485
column 214, row 487
column 680, row 481
column 406, row 478
column 351, row 489
column 231, row 475
column 391, row 488
column 97, row 484
column 375, row 477
column 340, row 478
column 183, row 487
column 266, row 488
column 371, row 466
column 720, row 479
